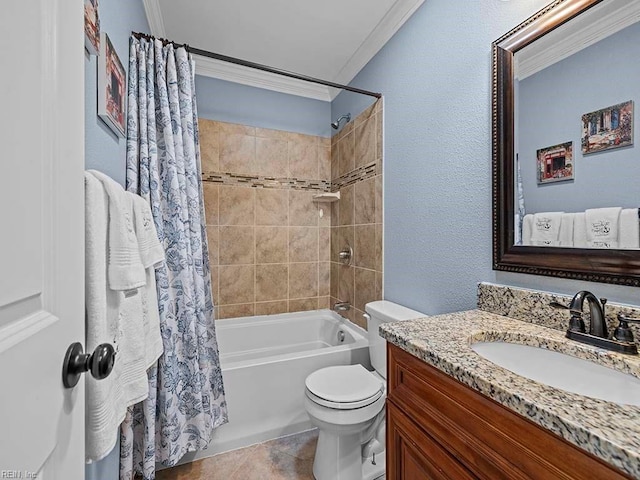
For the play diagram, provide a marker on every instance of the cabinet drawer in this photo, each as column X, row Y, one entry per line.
column 416, row 454
column 490, row 440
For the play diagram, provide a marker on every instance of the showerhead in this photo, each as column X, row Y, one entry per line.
column 336, row 124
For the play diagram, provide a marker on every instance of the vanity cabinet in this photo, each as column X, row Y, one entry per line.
column 439, row 428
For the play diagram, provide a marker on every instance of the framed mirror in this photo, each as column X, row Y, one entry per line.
column 565, row 82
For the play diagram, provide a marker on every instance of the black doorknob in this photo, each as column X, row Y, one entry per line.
column 99, row 363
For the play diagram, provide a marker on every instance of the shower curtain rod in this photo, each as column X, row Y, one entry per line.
column 257, row 66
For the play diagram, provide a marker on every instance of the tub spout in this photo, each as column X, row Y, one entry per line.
column 342, row 306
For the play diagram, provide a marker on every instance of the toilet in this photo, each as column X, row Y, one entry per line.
column 346, row 403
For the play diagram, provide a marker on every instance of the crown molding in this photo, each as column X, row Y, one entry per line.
column 209, row 67
column 397, row 15
column 154, row 18
column 558, row 47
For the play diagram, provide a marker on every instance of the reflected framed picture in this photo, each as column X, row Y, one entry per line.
column 555, row 164
column 608, row 128
column 91, row 27
column 112, row 84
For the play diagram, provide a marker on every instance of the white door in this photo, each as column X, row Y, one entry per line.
column 41, row 236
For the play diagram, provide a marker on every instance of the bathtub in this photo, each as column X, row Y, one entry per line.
column 265, row 361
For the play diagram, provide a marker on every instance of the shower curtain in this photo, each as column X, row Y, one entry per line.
column 186, row 396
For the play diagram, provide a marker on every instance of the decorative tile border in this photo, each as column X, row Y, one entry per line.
column 257, row 181
column 354, row 176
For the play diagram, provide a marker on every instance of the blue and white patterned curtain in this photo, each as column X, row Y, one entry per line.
column 186, row 395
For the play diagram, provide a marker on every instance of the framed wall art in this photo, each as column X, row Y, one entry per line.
column 608, row 128
column 555, row 164
column 91, row 27
column 112, row 84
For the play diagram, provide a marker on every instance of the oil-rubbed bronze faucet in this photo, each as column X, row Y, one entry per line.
column 598, row 335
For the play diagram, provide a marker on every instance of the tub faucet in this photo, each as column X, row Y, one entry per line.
column 342, row 306
column 597, row 325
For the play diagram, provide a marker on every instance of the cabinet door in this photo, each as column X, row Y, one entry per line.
column 414, row 455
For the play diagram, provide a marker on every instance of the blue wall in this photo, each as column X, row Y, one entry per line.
column 435, row 76
column 235, row 103
column 103, row 150
column 594, row 78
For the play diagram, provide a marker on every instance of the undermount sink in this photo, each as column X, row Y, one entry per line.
column 563, row 371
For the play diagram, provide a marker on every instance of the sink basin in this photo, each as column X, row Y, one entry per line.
column 563, row 371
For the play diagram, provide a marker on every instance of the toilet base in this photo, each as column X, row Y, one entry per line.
column 377, row 471
column 338, row 457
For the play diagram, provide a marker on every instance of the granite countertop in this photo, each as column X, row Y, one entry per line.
column 608, row 430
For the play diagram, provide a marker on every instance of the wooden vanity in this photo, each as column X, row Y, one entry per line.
column 439, row 428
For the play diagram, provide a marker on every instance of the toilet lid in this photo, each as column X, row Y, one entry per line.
column 344, row 384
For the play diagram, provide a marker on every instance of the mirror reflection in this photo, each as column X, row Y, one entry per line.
column 575, row 90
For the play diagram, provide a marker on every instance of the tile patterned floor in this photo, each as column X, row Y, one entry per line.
column 286, row 458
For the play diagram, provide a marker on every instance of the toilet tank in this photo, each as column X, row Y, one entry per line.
column 380, row 312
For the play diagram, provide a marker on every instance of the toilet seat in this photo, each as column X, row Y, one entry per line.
column 344, row 387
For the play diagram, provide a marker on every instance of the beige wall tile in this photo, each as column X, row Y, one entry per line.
column 379, row 247
column 272, row 245
column 303, row 304
column 271, row 282
column 237, row 245
column 345, row 284
column 237, row 205
column 271, row 157
column 274, row 134
column 324, row 163
column 365, row 287
column 237, row 284
column 365, row 201
column 359, row 319
column 215, row 284
column 345, row 237
column 272, row 308
column 324, row 302
column 335, row 214
column 303, row 280
column 347, row 154
column 364, row 250
column 209, row 145
column 213, row 241
column 324, row 279
column 379, row 295
column 234, row 311
column 335, row 279
column 238, row 154
column 303, row 157
column 365, row 115
column 324, row 244
column 303, row 211
column 379, row 199
column 379, row 136
column 335, row 162
column 346, row 205
column 324, row 142
column 210, row 191
column 272, row 207
column 303, row 244
column 365, row 150
column 325, row 220
column 227, row 129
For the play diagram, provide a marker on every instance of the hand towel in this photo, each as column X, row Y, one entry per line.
column 580, row 231
column 602, row 227
column 125, row 268
column 151, row 253
column 527, row 229
column 629, row 235
column 565, row 236
column 546, row 228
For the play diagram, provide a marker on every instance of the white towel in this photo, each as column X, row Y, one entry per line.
column 602, row 227
column 580, row 231
column 629, row 235
column 105, row 406
column 527, row 229
column 151, row 253
column 546, row 228
column 565, row 236
column 125, row 268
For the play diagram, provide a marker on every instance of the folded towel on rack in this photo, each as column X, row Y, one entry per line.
column 602, row 227
column 565, row 236
column 629, row 234
column 125, row 268
column 546, row 228
column 152, row 254
column 527, row 229
column 580, row 230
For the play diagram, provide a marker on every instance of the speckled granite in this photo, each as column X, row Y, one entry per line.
column 533, row 306
column 610, row 431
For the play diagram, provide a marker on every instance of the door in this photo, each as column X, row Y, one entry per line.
column 41, row 237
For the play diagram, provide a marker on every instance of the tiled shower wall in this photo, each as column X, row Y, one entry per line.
column 356, row 171
column 269, row 246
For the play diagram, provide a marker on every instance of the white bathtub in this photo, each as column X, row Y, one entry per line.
column 265, row 361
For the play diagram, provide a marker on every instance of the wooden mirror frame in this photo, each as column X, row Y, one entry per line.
column 595, row 265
